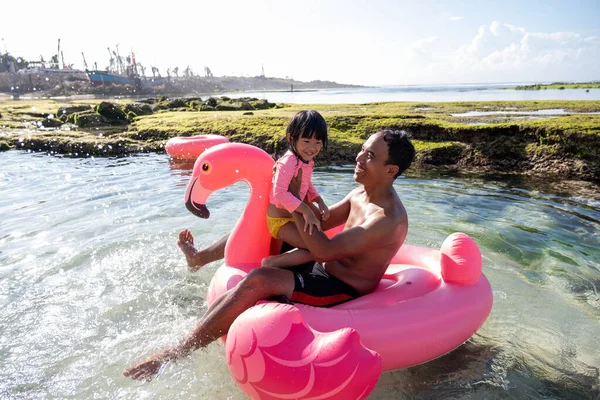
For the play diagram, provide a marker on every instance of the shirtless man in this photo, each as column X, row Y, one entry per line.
column 349, row 265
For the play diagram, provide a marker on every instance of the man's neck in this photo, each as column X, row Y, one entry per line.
column 377, row 192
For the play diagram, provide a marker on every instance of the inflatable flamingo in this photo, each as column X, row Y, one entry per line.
column 190, row 147
column 427, row 303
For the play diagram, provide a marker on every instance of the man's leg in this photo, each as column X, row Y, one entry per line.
column 259, row 284
column 198, row 258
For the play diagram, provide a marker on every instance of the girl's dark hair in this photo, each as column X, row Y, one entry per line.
column 306, row 124
column 401, row 151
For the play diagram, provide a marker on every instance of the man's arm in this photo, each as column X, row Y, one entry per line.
column 377, row 231
column 338, row 213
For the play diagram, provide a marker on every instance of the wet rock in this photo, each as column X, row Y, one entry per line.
column 64, row 112
column 441, row 156
column 177, row 103
column 112, row 113
column 244, row 105
column 88, row 119
column 212, row 102
column 51, row 123
column 226, row 107
column 138, row 109
column 261, row 104
column 159, row 107
column 195, row 104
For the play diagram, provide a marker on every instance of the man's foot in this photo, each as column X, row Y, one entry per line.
column 192, row 256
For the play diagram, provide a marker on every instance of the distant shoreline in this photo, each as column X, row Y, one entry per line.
column 558, row 86
column 481, row 137
column 52, row 84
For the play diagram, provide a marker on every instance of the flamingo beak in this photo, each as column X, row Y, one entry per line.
column 198, row 208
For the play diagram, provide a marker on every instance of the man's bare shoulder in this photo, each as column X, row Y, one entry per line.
column 386, row 214
column 356, row 192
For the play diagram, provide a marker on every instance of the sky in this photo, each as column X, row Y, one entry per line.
column 375, row 42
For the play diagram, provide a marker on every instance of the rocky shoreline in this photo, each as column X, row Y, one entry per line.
column 65, row 83
column 565, row 147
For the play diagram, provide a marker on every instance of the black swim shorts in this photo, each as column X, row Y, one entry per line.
column 315, row 287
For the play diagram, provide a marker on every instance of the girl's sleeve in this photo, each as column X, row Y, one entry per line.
column 283, row 176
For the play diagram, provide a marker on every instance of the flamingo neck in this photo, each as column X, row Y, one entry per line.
column 250, row 240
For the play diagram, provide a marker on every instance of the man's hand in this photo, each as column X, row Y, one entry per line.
column 324, row 211
column 147, row 369
column 295, row 184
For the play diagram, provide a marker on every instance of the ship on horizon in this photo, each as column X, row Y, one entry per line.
column 122, row 72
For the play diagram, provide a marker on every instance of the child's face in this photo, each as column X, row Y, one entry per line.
column 308, row 148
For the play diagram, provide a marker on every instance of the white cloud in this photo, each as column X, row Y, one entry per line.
column 455, row 18
column 504, row 52
column 422, row 43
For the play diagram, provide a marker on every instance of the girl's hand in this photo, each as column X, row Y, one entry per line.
column 324, row 211
column 311, row 220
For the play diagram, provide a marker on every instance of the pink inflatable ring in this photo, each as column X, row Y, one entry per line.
column 191, row 147
column 428, row 302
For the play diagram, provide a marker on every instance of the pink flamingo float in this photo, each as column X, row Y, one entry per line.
column 190, row 147
column 428, row 302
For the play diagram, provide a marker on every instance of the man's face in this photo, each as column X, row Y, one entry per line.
column 371, row 160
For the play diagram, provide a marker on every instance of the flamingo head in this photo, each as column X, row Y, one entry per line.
column 221, row 166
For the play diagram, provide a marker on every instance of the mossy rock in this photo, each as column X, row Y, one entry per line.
column 159, row 107
column 446, row 155
column 88, row 120
column 194, row 100
column 112, row 113
column 205, row 107
column 227, row 107
column 195, row 104
column 244, row 105
column 51, row 123
column 138, row 109
column 177, row 103
column 35, row 115
column 64, row 112
column 211, row 102
column 260, row 104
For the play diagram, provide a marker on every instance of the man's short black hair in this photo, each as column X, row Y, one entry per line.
column 401, row 151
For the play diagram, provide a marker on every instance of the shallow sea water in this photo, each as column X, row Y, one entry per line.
column 91, row 280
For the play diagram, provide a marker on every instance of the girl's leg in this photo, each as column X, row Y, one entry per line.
column 288, row 233
column 289, row 259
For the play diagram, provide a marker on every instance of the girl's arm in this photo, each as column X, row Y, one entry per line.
column 284, row 172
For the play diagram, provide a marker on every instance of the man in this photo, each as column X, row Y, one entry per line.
column 349, row 265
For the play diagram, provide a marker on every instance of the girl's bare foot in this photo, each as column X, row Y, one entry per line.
column 273, row 261
column 192, row 256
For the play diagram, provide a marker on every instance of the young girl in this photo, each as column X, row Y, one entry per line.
column 306, row 135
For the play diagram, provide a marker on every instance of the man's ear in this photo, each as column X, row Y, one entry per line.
column 392, row 169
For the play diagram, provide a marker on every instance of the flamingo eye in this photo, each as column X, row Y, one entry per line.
column 206, row 167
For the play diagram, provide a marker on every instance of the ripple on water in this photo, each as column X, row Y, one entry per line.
column 92, row 281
